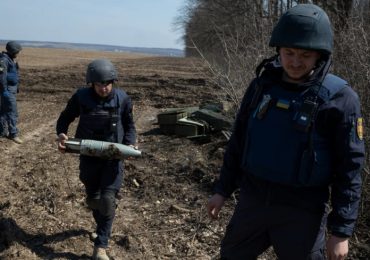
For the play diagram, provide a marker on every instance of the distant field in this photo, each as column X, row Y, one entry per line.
column 37, row 57
column 168, row 52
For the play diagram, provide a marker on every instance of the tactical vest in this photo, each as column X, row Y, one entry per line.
column 276, row 149
column 100, row 119
column 12, row 77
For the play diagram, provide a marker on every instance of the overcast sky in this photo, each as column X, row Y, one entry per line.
column 131, row 23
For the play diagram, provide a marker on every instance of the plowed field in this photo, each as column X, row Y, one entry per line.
column 161, row 212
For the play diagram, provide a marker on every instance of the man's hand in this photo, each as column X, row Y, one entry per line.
column 214, row 205
column 337, row 248
column 61, row 142
column 136, row 147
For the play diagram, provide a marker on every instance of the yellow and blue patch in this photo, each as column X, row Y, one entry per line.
column 360, row 128
column 282, row 103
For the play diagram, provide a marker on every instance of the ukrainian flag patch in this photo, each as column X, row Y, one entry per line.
column 282, row 103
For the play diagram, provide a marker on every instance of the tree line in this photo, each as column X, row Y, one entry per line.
column 232, row 36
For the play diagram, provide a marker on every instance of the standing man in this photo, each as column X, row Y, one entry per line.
column 297, row 146
column 9, row 80
column 105, row 115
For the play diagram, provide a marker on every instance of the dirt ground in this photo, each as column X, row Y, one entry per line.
column 161, row 212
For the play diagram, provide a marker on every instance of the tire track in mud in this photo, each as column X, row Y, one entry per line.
column 19, row 158
column 27, row 138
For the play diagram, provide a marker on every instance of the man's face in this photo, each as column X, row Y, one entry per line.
column 103, row 89
column 14, row 55
column 298, row 63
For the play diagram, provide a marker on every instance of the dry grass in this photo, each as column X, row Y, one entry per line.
column 47, row 57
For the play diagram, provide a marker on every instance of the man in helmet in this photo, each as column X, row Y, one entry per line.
column 9, row 81
column 298, row 134
column 105, row 114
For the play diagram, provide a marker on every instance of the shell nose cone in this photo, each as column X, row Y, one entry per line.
column 135, row 152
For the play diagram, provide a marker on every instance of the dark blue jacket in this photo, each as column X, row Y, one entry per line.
column 104, row 119
column 265, row 153
column 9, row 78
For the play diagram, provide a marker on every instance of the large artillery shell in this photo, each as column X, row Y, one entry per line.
column 101, row 149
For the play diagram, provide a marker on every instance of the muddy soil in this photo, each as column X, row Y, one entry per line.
column 161, row 212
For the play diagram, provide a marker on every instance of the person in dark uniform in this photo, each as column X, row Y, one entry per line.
column 9, row 81
column 296, row 151
column 105, row 114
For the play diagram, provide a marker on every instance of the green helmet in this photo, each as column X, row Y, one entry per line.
column 13, row 47
column 100, row 70
column 304, row 26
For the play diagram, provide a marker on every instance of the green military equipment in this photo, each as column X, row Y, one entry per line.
column 193, row 122
column 167, row 120
column 217, row 121
column 172, row 115
column 191, row 128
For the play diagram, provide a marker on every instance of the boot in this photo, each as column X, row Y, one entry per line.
column 100, row 254
column 16, row 139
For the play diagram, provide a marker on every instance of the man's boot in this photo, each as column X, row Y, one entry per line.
column 100, row 254
column 16, row 139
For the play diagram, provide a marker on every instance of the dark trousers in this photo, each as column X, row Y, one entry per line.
column 294, row 233
column 8, row 114
column 102, row 178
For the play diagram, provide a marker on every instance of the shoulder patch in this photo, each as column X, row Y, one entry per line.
column 360, row 128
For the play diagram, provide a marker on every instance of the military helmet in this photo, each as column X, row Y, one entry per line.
column 100, row 70
column 304, row 26
column 13, row 47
